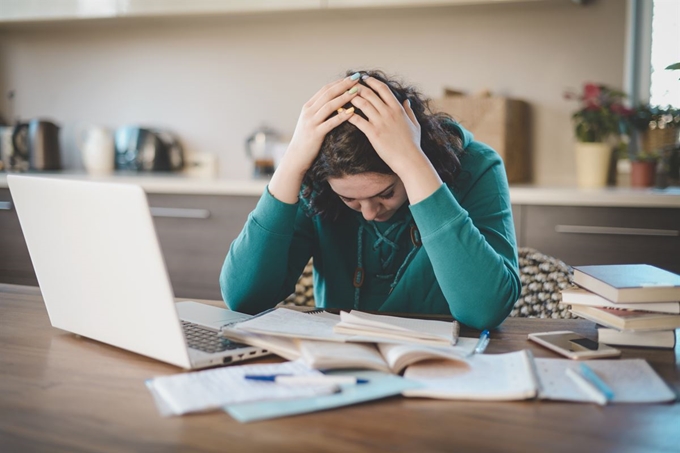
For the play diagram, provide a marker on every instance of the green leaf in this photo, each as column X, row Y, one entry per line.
column 674, row 66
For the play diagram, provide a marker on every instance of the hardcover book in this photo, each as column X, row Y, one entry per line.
column 650, row 339
column 580, row 296
column 627, row 319
column 629, row 283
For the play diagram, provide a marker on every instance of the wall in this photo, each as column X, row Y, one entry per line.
column 214, row 80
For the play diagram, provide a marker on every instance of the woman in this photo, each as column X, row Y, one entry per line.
column 400, row 209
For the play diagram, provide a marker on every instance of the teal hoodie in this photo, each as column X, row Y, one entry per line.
column 466, row 266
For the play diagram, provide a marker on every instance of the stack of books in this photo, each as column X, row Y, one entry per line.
column 638, row 304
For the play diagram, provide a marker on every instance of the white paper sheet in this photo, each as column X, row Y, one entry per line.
column 290, row 323
column 494, row 377
column 212, row 389
column 632, row 380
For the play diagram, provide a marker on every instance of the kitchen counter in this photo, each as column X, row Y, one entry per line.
column 520, row 194
column 610, row 196
column 167, row 183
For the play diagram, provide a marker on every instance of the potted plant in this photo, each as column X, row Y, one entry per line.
column 657, row 129
column 598, row 125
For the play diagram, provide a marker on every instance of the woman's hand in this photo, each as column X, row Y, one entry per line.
column 312, row 126
column 394, row 132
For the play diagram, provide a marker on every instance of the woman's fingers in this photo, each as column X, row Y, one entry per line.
column 321, row 91
column 334, row 90
column 365, row 105
column 386, row 95
column 336, row 120
column 363, row 125
column 410, row 113
column 334, row 104
column 372, row 104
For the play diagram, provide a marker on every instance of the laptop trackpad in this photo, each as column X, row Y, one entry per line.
column 208, row 315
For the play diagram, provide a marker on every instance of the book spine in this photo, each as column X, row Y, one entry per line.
column 663, row 339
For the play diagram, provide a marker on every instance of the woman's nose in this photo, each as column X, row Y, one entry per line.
column 369, row 210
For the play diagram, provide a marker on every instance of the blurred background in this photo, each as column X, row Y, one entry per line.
column 195, row 101
column 213, row 72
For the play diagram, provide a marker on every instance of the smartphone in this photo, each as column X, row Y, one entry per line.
column 572, row 345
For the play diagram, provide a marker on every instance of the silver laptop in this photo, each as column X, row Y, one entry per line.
column 102, row 275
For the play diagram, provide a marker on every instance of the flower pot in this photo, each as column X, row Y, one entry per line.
column 592, row 164
column 642, row 173
column 652, row 140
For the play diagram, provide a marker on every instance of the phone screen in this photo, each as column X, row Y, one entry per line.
column 586, row 343
column 573, row 342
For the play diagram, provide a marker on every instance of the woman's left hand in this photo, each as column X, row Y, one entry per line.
column 394, row 132
column 392, row 128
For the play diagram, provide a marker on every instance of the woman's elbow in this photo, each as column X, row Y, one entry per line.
column 500, row 303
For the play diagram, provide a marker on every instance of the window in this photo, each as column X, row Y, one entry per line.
column 664, row 84
column 653, row 44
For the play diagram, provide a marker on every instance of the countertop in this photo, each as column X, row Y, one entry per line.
column 519, row 194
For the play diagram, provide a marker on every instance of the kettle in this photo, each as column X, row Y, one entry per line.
column 141, row 149
column 261, row 148
column 36, row 143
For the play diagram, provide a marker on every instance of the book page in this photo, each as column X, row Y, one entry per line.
column 491, row 377
column 327, row 355
column 211, row 389
column 399, row 356
column 632, row 380
column 281, row 346
column 294, row 324
column 365, row 323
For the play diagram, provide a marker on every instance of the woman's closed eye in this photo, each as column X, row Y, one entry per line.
column 382, row 196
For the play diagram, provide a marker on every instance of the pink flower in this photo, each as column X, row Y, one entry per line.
column 591, row 96
column 621, row 109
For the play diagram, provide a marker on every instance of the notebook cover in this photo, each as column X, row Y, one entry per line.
column 632, row 283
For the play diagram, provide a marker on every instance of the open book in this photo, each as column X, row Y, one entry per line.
column 331, row 355
column 388, row 357
column 517, row 375
column 382, row 328
column 354, row 326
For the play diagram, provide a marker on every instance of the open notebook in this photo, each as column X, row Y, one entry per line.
column 516, row 376
column 491, row 377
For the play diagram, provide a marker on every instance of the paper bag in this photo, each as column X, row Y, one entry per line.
column 499, row 122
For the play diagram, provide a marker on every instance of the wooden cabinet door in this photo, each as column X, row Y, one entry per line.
column 604, row 235
column 195, row 232
column 15, row 262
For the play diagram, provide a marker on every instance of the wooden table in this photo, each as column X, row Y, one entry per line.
column 60, row 392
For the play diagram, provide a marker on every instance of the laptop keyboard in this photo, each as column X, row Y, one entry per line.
column 206, row 340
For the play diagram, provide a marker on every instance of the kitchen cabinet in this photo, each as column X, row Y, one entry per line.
column 30, row 11
column 333, row 4
column 195, row 232
column 15, row 262
column 22, row 10
column 581, row 235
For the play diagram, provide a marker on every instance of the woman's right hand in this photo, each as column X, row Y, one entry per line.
column 311, row 129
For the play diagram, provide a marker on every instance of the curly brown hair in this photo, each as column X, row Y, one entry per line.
column 347, row 151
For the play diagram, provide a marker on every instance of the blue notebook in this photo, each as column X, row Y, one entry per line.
column 380, row 385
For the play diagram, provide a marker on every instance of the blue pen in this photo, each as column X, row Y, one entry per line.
column 306, row 379
column 481, row 344
column 594, row 379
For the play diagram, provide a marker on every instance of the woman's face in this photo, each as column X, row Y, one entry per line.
column 375, row 195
